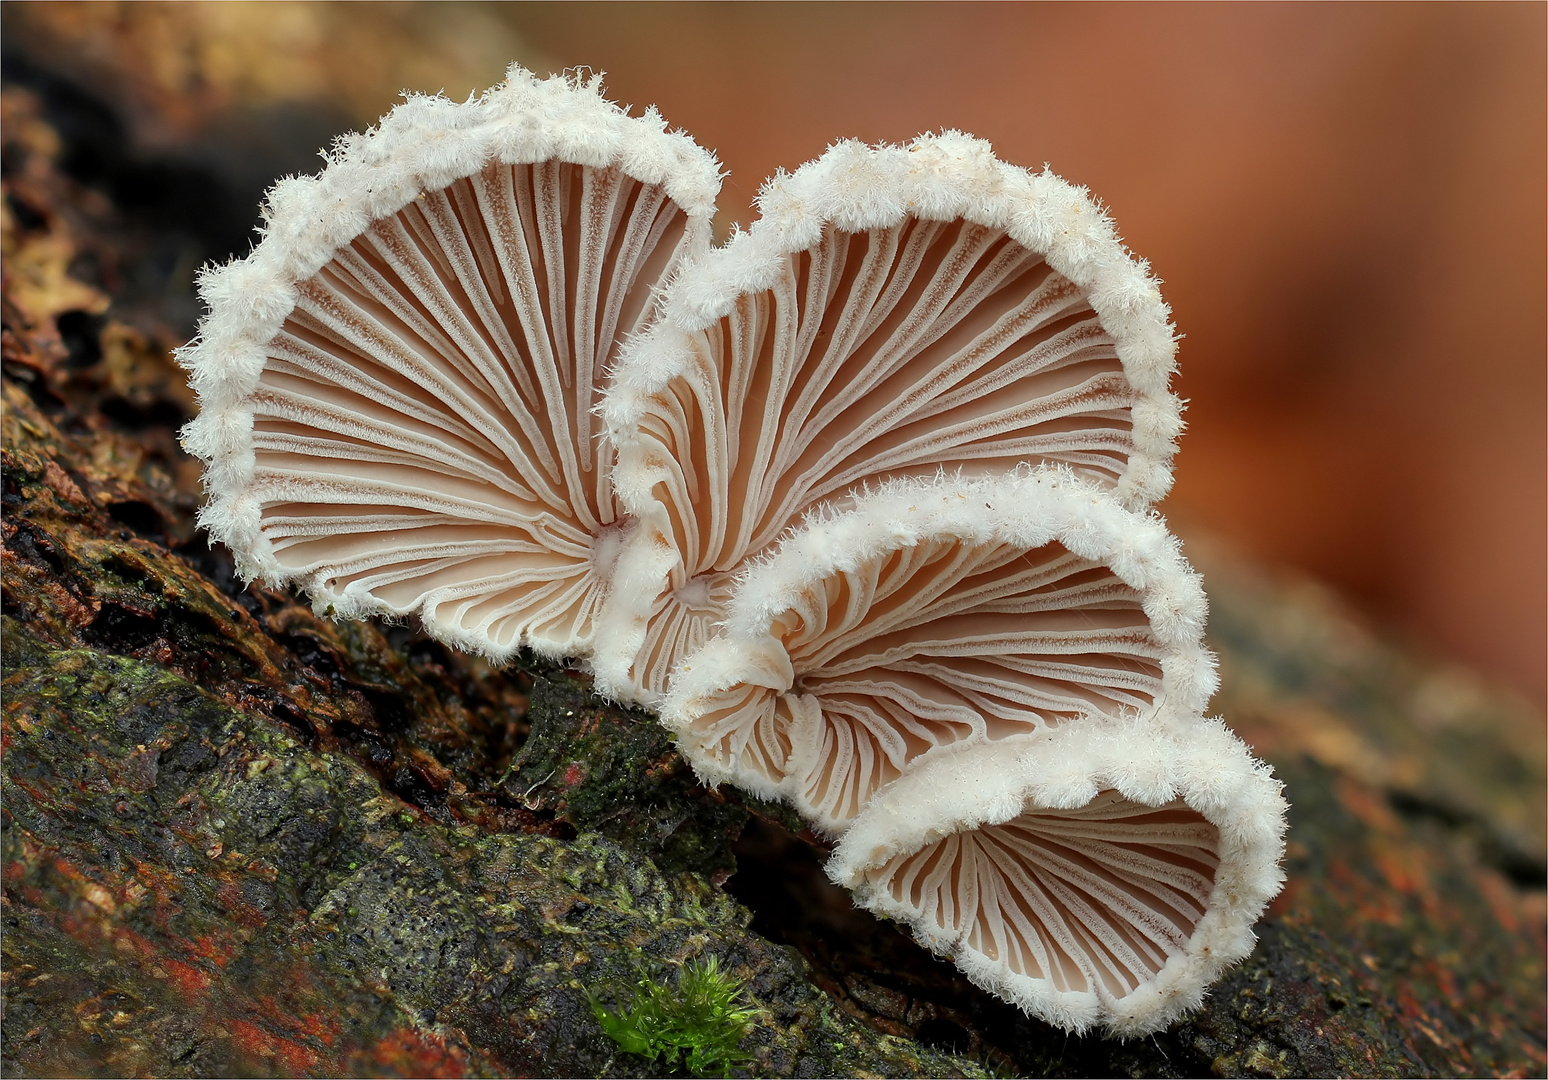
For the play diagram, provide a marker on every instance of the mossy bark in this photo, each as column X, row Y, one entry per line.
column 241, row 839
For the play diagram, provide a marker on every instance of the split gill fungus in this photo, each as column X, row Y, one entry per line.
column 859, row 502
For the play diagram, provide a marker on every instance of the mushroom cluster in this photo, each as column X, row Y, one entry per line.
column 857, row 502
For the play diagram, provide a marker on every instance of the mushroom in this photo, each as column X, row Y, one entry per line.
column 941, row 379
column 932, row 613
column 893, row 310
column 1102, row 873
column 398, row 385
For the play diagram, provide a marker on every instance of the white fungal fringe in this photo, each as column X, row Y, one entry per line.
column 894, row 309
column 1095, row 875
column 932, row 613
column 433, row 409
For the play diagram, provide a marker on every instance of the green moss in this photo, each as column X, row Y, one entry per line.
column 697, row 1024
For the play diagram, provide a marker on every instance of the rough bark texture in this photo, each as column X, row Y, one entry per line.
column 239, row 839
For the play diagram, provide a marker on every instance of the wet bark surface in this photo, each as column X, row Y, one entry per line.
column 240, row 839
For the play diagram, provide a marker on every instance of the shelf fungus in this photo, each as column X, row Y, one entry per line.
column 398, row 385
column 930, row 614
column 859, row 502
column 1097, row 874
column 894, row 310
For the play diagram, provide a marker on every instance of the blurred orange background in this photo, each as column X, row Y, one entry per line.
column 1348, row 205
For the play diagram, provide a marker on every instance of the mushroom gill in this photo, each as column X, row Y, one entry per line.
column 1099, row 874
column 420, row 436
column 895, row 311
column 1097, row 896
column 932, row 613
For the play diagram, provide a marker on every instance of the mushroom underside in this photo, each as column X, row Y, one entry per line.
column 879, row 354
column 423, row 429
column 875, row 355
column 1092, row 899
column 919, row 648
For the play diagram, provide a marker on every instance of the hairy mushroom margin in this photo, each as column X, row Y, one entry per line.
column 398, row 386
column 935, row 613
column 859, row 500
column 893, row 311
column 1100, row 874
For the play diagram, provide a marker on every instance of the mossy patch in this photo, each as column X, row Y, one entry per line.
column 697, row 1023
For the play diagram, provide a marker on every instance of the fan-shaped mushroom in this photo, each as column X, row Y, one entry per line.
column 991, row 679
column 894, row 310
column 398, row 385
column 932, row 613
column 1093, row 874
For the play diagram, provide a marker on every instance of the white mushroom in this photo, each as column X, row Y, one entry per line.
column 894, row 310
column 1094, row 874
column 399, row 384
column 933, row 613
column 942, row 379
